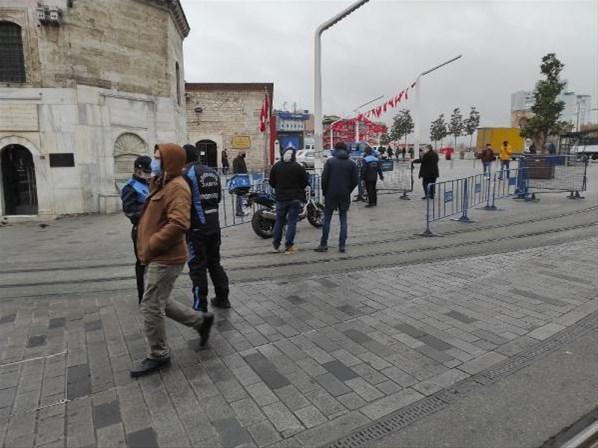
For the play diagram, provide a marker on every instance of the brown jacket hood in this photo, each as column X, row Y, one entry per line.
column 173, row 159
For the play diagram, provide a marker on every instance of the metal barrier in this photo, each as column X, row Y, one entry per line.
column 398, row 177
column 550, row 173
column 544, row 174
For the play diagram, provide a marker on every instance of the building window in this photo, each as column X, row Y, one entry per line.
column 178, row 83
column 12, row 63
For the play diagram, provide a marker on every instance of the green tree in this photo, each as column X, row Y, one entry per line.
column 385, row 139
column 471, row 124
column 438, row 130
column 456, row 125
column 547, row 108
column 402, row 126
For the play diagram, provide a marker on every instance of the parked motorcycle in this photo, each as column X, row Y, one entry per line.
column 265, row 216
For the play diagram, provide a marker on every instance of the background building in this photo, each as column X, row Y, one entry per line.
column 85, row 87
column 577, row 108
column 227, row 116
column 291, row 127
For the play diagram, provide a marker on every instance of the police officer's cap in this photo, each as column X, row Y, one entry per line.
column 144, row 163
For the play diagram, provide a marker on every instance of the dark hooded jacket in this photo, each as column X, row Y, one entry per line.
column 429, row 165
column 339, row 178
column 289, row 180
column 165, row 217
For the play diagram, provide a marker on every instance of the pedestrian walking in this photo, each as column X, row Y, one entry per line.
column 239, row 167
column 370, row 171
column 161, row 247
column 339, row 178
column 390, row 153
column 289, row 180
column 428, row 170
column 133, row 195
column 224, row 158
column 204, row 237
column 505, row 153
column 487, row 157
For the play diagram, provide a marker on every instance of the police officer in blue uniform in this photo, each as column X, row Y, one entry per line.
column 204, row 237
column 371, row 169
column 134, row 195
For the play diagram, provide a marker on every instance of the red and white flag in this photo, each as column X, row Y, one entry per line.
column 264, row 113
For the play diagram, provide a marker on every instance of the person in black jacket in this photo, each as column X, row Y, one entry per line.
column 203, row 237
column 289, row 180
column 339, row 178
column 134, row 195
column 239, row 167
column 371, row 169
column 428, row 170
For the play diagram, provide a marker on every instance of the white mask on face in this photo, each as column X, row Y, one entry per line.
column 288, row 155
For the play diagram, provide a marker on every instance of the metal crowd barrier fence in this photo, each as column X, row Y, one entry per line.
column 534, row 175
column 550, row 173
column 398, row 177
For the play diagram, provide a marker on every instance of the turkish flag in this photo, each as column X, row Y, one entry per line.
column 264, row 113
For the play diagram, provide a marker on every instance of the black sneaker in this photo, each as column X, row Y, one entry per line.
column 321, row 249
column 220, row 303
column 342, row 249
column 149, row 365
column 204, row 329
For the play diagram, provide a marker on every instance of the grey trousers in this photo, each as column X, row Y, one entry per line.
column 156, row 304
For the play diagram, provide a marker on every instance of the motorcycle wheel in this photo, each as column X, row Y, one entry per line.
column 262, row 226
column 315, row 214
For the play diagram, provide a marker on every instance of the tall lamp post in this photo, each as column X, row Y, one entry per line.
column 417, row 114
column 318, row 128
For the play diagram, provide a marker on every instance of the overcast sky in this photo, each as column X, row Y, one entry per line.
column 380, row 49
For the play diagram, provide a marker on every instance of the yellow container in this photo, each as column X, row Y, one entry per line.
column 495, row 136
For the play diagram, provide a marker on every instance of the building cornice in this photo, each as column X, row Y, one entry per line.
column 229, row 86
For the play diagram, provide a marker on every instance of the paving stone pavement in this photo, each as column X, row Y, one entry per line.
column 294, row 363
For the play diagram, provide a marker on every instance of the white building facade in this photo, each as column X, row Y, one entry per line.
column 577, row 107
column 85, row 87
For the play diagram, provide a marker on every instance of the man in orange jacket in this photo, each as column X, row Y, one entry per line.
column 161, row 247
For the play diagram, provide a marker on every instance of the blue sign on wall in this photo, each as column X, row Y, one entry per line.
column 478, row 188
column 448, row 196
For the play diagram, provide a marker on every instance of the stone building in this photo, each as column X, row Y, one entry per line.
column 227, row 116
column 85, row 86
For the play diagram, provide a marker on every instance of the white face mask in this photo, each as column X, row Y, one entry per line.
column 288, row 155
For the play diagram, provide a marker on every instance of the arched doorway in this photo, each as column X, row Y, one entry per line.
column 208, row 152
column 18, row 181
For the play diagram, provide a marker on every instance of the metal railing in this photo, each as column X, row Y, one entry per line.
column 551, row 174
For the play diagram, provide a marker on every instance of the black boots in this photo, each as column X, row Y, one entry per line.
column 149, row 365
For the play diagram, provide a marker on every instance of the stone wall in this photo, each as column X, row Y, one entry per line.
column 124, row 45
column 96, row 87
column 228, row 111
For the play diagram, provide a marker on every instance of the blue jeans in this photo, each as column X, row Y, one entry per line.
column 504, row 165
column 342, row 215
column 287, row 212
column 487, row 166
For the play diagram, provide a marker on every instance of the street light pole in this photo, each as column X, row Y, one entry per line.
column 417, row 115
column 318, row 127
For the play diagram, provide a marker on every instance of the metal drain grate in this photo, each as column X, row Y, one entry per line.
column 391, row 423
column 427, row 406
